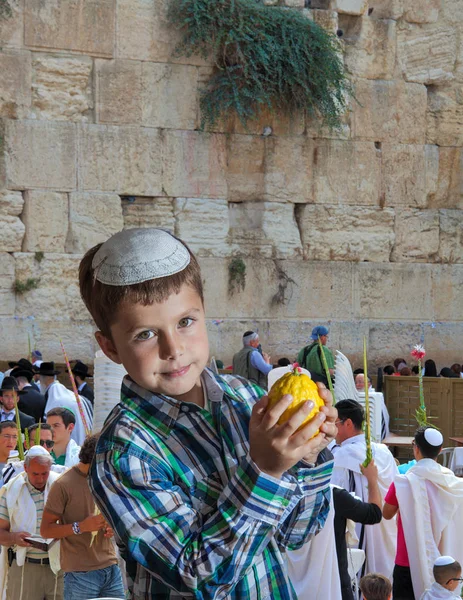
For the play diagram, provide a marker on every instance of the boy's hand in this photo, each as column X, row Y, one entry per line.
column 276, row 448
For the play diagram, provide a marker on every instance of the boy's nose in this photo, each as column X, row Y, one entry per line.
column 171, row 347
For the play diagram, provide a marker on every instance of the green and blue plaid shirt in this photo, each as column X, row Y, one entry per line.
column 194, row 516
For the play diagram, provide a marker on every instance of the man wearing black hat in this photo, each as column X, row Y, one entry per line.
column 8, row 391
column 31, row 402
column 24, row 365
column 80, row 372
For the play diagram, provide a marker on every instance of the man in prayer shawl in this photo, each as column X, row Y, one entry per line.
column 429, row 499
column 378, row 541
column 447, row 575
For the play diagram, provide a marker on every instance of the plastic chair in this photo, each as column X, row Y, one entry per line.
column 445, row 457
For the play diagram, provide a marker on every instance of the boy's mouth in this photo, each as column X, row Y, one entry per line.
column 177, row 373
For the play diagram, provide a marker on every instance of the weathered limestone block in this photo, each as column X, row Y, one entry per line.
column 356, row 233
column 350, row 7
column 93, row 218
column 194, row 165
column 40, row 154
column 15, row 84
column 126, row 160
column 346, row 172
column 11, row 227
column 204, row 225
column 386, row 9
column 294, row 3
column 447, row 292
column 328, row 19
column 445, row 116
column 46, row 216
column 57, row 294
column 452, row 11
column 268, row 229
column 118, row 91
column 416, row 235
column 404, row 178
column 7, row 299
column 370, row 46
column 267, row 123
column 12, row 28
column 389, row 111
column 448, row 189
column 169, row 95
column 61, row 87
column 245, row 168
column 451, row 236
column 149, row 212
column 422, row 11
column 427, row 55
column 82, row 25
column 288, row 169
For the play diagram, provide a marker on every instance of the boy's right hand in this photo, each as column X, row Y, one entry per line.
column 91, row 524
column 276, row 448
column 370, row 472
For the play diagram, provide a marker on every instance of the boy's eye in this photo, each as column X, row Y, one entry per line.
column 186, row 322
column 145, row 335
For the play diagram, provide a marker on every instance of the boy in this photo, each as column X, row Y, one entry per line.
column 447, row 573
column 204, row 489
column 376, row 587
column 65, row 450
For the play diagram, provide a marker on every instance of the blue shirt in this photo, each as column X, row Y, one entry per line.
column 258, row 362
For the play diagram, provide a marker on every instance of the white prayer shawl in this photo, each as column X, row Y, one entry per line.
column 60, row 397
column 437, row 592
column 430, row 501
column 313, row 569
column 23, row 517
column 380, row 540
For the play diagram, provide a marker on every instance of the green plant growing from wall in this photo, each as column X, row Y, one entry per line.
column 21, row 287
column 39, row 256
column 236, row 276
column 285, row 287
column 266, row 57
column 5, row 9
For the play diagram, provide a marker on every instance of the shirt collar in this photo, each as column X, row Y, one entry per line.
column 7, row 412
column 354, row 440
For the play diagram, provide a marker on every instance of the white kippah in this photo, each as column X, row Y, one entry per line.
column 136, row 255
column 37, row 451
column 433, row 437
column 443, row 561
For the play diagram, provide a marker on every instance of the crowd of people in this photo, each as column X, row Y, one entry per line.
column 206, row 492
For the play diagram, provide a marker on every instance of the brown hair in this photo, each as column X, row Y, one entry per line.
column 103, row 301
column 7, row 425
column 443, row 573
column 67, row 415
column 87, row 452
column 375, row 587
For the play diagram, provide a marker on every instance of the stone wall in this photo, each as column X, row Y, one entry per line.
column 362, row 229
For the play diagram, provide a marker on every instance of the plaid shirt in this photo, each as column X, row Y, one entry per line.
column 194, row 516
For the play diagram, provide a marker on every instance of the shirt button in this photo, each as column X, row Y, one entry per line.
column 185, row 409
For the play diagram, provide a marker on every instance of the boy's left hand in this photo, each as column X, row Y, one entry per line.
column 328, row 429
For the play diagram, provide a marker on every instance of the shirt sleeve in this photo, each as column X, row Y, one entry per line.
column 391, row 497
column 202, row 555
column 56, row 501
column 259, row 363
column 352, row 508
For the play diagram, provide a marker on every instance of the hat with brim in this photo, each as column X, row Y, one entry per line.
column 9, row 384
column 18, row 372
column 80, row 369
column 48, row 369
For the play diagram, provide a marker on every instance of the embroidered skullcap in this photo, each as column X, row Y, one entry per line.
column 136, row 255
column 443, row 561
column 37, row 451
column 433, row 437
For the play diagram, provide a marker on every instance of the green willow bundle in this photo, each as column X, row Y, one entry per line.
column 18, row 427
column 369, row 456
column 266, row 57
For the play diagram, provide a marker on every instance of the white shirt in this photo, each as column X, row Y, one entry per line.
column 7, row 415
column 437, row 592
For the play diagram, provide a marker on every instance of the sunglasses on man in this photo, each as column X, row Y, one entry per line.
column 47, row 443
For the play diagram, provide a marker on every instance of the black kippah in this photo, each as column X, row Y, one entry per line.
column 248, row 333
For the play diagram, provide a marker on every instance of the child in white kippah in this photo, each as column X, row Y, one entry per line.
column 447, row 575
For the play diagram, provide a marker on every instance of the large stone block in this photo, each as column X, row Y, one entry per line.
column 7, row 298
column 11, row 226
column 118, row 91
column 245, row 168
column 40, row 154
column 12, row 28
column 11, row 203
column 389, row 111
column 350, row 233
column 81, row 25
column 57, row 295
column 149, row 212
column 448, row 189
column 447, row 290
column 350, row 7
column 445, row 116
column 194, row 165
column 204, row 225
column 404, row 175
column 346, row 172
column 416, row 235
column 427, row 55
column 370, row 46
column 288, row 169
column 126, row 160
column 386, row 9
column 422, row 11
column 46, row 216
column 61, row 87
column 452, row 11
column 328, row 19
column 15, row 84
column 451, row 236
column 93, row 218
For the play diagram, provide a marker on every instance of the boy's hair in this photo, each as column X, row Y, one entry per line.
column 103, row 301
column 375, row 587
column 43, row 427
column 87, row 452
column 67, row 416
column 7, row 425
column 424, row 446
column 445, row 572
column 351, row 409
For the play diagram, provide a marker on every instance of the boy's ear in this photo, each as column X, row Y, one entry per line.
column 108, row 347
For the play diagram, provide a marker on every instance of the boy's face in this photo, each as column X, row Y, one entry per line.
column 163, row 346
column 453, row 583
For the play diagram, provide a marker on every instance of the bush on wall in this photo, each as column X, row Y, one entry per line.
column 265, row 56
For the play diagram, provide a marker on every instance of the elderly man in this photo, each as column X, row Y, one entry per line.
column 31, row 573
column 310, row 357
column 250, row 363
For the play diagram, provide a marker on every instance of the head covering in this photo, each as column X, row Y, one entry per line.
column 319, row 331
column 433, row 437
column 48, row 369
column 9, row 383
column 37, row 354
column 249, row 336
column 136, row 255
column 18, row 372
column 35, row 451
column 443, row 561
column 80, row 369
